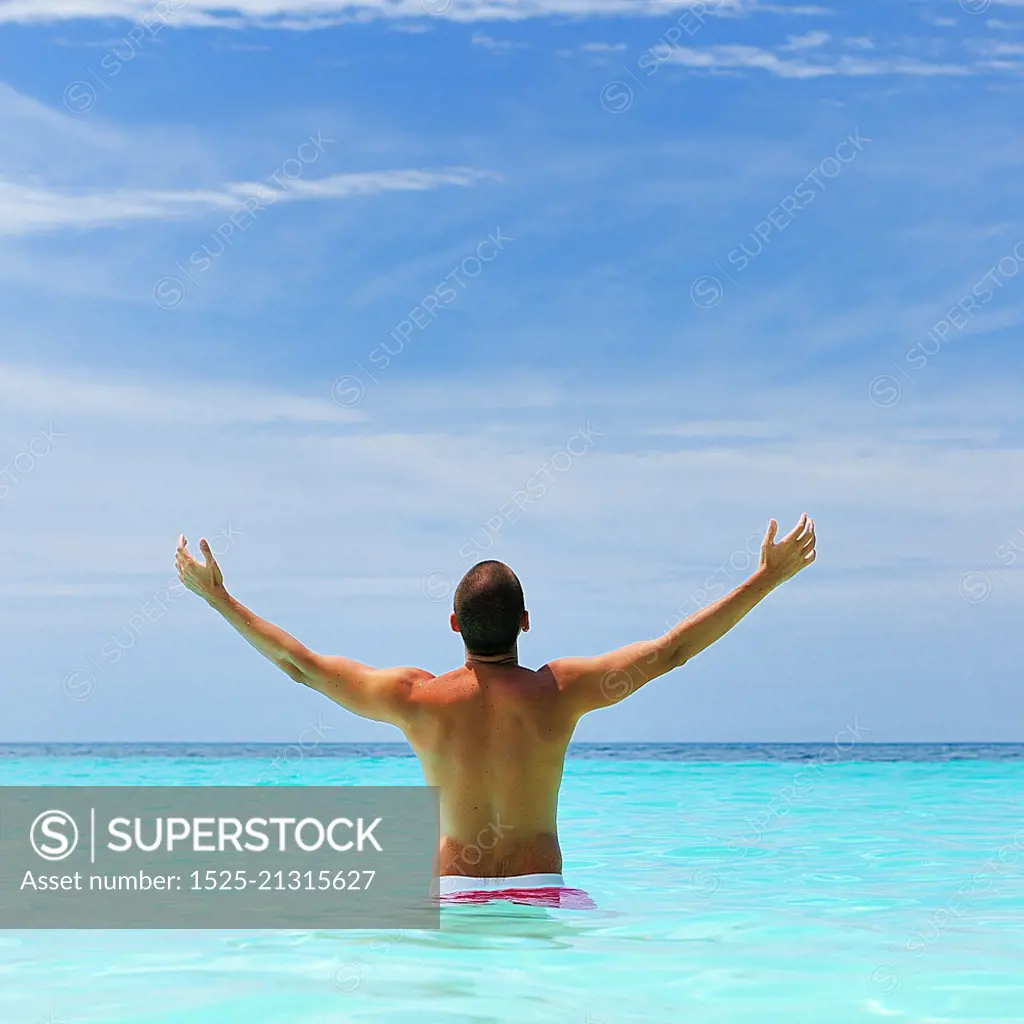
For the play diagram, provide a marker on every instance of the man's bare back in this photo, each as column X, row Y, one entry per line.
column 493, row 739
column 492, row 735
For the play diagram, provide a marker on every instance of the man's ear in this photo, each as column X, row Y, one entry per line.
column 524, row 622
column 454, row 623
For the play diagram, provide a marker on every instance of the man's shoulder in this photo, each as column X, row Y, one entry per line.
column 425, row 686
column 405, row 680
column 563, row 670
column 461, row 683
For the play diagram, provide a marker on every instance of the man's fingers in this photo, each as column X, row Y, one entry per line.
column 810, row 558
column 773, row 527
column 796, row 529
column 207, row 553
column 182, row 557
column 809, row 538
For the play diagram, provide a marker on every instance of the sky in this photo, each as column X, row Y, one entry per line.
column 367, row 291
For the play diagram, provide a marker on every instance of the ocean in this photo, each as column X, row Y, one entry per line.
column 735, row 884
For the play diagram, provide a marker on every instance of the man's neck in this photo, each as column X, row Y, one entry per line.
column 510, row 657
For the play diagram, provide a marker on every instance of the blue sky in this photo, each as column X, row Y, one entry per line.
column 683, row 268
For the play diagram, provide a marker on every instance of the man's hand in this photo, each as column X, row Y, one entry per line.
column 381, row 694
column 782, row 561
column 206, row 579
column 590, row 683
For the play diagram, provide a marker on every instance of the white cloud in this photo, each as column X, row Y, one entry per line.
column 715, row 58
column 25, row 209
column 808, row 41
column 721, row 429
column 806, row 10
column 309, row 14
column 119, row 398
column 37, row 137
column 597, row 52
column 47, row 147
column 495, row 45
column 1003, row 49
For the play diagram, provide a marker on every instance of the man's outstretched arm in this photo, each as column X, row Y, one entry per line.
column 590, row 683
column 380, row 694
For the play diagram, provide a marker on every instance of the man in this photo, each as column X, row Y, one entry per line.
column 492, row 735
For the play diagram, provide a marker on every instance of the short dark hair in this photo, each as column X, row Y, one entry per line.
column 489, row 608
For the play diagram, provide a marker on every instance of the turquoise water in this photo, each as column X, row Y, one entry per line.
column 734, row 884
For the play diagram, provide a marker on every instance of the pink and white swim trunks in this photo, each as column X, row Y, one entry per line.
column 526, row 890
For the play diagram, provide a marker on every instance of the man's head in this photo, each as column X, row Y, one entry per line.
column 489, row 610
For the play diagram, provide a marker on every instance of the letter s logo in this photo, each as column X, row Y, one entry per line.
column 54, row 826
